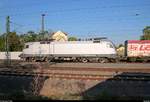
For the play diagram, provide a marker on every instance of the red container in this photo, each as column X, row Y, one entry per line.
column 137, row 48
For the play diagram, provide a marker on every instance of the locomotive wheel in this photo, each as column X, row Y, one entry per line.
column 50, row 59
column 115, row 60
column 103, row 60
column 27, row 59
column 33, row 60
column 46, row 59
column 84, row 60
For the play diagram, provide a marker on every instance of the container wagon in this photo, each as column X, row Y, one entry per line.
column 137, row 50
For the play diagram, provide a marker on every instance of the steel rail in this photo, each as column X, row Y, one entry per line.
column 137, row 77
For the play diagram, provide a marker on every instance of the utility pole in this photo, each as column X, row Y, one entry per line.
column 6, row 41
column 42, row 29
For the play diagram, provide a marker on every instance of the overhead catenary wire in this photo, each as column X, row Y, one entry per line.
column 83, row 8
column 71, row 10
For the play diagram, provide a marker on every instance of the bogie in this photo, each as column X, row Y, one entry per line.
column 103, row 60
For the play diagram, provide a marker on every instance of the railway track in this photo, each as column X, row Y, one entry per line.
column 86, row 73
column 50, row 63
column 42, row 73
column 102, row 69
column 73, row 69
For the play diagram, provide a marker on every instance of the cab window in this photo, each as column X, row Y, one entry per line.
column 96, row 41
column 109, row 45
column 27, row 46
column 43, row 42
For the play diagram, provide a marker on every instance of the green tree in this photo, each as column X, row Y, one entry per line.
column 120, row 45
column 44, row 36
column 30, row 36
column 2, row 42
column 146, row 33
column 72, row 39
column 14, row 42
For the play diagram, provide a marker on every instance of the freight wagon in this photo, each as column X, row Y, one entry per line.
column 137, row 50
column 99, row 50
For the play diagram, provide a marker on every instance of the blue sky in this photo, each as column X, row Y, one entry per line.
column 119, row 20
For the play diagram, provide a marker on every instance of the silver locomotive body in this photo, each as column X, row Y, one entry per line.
column 99, row 50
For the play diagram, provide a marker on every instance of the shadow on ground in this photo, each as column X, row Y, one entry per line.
column 120, row 89
column 21, row 87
